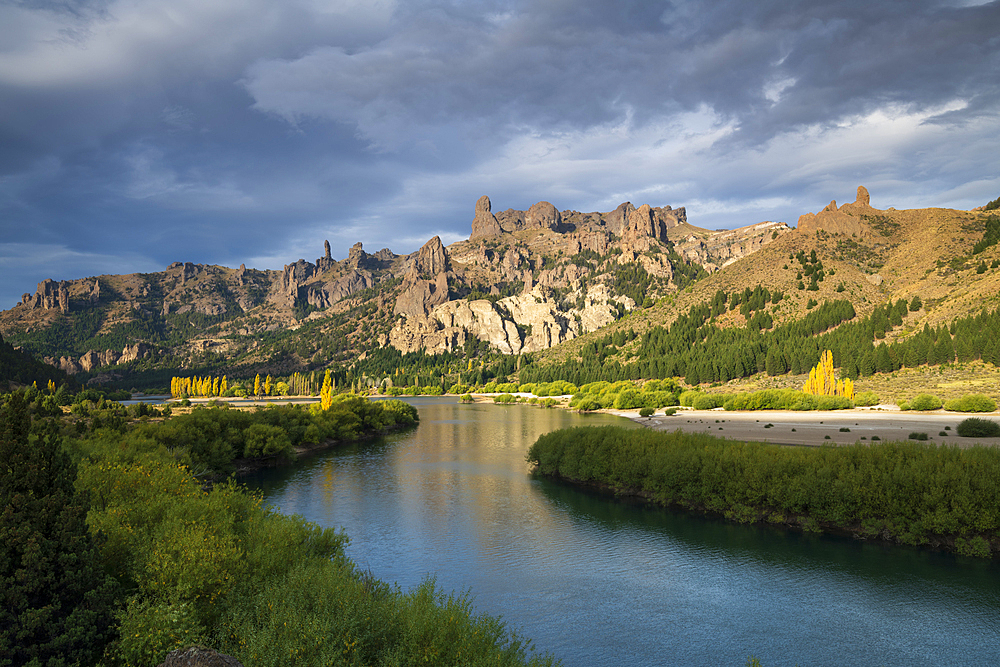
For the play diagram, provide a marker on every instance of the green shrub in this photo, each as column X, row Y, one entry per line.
column 925, row 402
column 904, row 405
column 907, row 491
column 669, row 412
column 917, row 436
column 975, row 427
column 646, row 412
column 466, row 398
column 458, row 389
column 784, row 399
column 587, row 404
column 688, row 397
column 866, row 398
column 708, row 401
column 629, row 399
column 505, row 399
column 971, row 403
column 262, row 440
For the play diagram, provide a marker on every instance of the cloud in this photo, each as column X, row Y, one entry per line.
column 229, row 131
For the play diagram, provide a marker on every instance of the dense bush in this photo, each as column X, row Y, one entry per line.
column 209, row 439
column 708, row 401
column 785, row 399
column 971, row 403
column 924, row 402
column 557, row 388
column 505, row 399
column 866, row 398
column 974, row 427
column 217, row 568
column 914, row 493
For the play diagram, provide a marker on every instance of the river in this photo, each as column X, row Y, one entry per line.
column 596, row 581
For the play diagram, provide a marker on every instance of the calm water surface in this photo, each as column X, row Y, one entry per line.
column 599, row 582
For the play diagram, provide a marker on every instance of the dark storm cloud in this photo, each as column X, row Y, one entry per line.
column 227, row 131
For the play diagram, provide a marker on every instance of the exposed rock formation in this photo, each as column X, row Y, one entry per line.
column 426, row 283
column 845, row 220
column 525, row 323
column 431, row 259
column 94, row 359
column 50, row 294
column 542, row 215
column 484, row 225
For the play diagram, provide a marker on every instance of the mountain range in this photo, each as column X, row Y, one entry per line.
column 541, row 282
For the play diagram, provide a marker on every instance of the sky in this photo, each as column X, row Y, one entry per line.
column 137, row 133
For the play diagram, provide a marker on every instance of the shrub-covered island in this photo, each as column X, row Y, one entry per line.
column 908, row 493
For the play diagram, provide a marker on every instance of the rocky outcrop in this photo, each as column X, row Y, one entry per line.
column 357, row 258
column 525, row 323
column 724, row 248
column 543, row 215
column 50, row 294
column 431, row 259
column 93, row 359
column 617, row 220
column 844, row 220
column 324, row 296
column 484, row 225
column 426, row 282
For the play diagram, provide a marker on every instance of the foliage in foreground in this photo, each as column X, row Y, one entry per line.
column 907, row 492
column 184, row 566
column 56, row 604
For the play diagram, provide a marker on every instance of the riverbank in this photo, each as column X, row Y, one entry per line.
column 900, row 492
column 838, row 427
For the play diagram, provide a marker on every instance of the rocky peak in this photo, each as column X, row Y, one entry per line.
column 484, row 225
column 431, row 260
column 617, row 220
column 843, row 220
column 385, row 255
column 49, row 294
column 326, row 250
column 356, row 256
column 543, row 215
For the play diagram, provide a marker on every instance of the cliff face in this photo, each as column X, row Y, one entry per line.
column 551, row 275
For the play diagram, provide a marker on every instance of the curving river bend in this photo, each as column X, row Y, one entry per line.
column 600, row 582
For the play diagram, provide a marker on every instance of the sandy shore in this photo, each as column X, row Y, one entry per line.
column 814, row 428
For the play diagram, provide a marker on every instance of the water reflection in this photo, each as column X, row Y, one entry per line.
column 599, row 581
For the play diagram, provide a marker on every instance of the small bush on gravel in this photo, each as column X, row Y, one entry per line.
column 974, row 427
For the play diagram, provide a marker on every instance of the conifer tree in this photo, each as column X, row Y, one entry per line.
column 56, row 605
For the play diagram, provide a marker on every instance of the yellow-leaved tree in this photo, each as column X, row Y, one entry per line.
column 822, row 381
column 256, row 385
column 326, row 393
